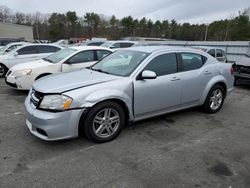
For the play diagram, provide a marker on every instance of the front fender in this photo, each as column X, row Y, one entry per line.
column 210, row 84
column 109, row 94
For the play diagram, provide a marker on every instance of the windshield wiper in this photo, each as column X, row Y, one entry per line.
column 100, row 70
column 48, row 60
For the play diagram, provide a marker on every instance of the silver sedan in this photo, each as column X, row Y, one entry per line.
column 126, row 86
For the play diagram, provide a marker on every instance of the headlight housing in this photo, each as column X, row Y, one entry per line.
column 22, row 72
column 56, row 102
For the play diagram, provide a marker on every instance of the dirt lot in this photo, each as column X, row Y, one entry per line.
column 184, row 149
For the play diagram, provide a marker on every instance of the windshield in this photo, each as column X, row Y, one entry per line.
column 107, row 44
column 60, row 55
column 121, row 63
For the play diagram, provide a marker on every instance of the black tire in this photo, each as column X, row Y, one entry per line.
column 3, row 70
column 97, row 111
column 236, row 81
column 207, row 106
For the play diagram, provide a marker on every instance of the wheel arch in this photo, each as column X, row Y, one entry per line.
column 42, row 75
column 220, row 80
column 113, row 99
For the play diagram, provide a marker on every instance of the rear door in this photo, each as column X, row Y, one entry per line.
column 160, row 94
column 196, row 75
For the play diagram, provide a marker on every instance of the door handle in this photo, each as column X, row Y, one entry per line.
column 175, row 78
column 207, row 72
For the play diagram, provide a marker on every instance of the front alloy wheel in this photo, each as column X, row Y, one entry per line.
column 104, row 121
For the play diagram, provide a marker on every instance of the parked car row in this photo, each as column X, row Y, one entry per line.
column 25, row 53
column 96, row 91
column 217, row 53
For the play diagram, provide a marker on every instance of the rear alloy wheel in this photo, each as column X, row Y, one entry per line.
column 214, row 99
column 3, row 70
column 104, row 122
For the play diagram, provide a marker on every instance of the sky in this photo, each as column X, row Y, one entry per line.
column 192, row 11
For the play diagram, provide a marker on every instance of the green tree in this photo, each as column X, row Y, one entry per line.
column 93, row 20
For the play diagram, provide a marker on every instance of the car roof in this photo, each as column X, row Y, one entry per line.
column 89, row 48
column 207, row 47
column 113, row 41
column 16, row 43
column 151, row 49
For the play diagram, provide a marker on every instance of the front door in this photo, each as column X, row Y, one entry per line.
column 162, row 93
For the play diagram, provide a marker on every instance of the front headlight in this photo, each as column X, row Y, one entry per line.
column 55, row 102
column 22, row 72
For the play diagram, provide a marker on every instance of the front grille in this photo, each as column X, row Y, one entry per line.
column 36, row 97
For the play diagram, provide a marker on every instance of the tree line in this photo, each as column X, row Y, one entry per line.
column 61, row 26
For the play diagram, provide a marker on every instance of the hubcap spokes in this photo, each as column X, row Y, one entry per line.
column 106, row 122
column 216, row 99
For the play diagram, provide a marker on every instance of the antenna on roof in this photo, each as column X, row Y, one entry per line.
column 185, row 44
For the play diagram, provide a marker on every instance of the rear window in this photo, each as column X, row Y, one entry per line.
column 27, row 50
column 192, row 61
column 219, row 53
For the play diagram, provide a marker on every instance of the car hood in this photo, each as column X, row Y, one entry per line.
column 244, row 61
column 63, row 82
column 30, row 65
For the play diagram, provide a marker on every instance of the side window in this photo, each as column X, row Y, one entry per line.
column 211, row 52
column 126, row 44
column 82, row 57
column 95, row 44
column 117, row 45
column 27, row 50
column 192, row 61
column 163, row 64
column 102, row 53
column 219, row 53
column 47, row 49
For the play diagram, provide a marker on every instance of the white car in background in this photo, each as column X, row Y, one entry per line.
column 217, row 53
column 24, row 75
column 118, row 44
column 11, row 46
column 25, row 53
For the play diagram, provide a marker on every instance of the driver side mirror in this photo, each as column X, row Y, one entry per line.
column 146, row 74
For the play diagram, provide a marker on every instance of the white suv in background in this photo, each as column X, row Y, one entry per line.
column 24, row 75
column 25, row 53
column 217, row 53
column 118, row 44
